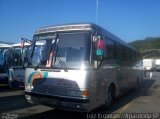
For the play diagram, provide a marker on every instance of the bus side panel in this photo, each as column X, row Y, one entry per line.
column 102, row 78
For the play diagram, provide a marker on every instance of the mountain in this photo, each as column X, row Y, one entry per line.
column 146, row 44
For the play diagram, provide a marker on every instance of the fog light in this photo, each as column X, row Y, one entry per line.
column 78, row 106
column 28, row 97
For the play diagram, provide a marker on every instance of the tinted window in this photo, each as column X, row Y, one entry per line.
column 119, row 52
column 110, row 48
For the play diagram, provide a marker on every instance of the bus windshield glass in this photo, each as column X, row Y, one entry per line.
column 17, row 60
column 41, row 49
column 72, row 51
column 2, row 51
column 19, row 55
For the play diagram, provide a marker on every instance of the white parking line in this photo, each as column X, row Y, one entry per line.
column 123, row 109
column 31, row 110
column 11, row 93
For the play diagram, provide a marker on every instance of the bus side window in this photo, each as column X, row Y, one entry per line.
column 131, row 56
column 110, row 49
column 119, row 52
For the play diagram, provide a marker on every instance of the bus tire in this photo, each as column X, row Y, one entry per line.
column 110, row 96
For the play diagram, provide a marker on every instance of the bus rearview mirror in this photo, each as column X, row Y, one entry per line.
column 99, row 45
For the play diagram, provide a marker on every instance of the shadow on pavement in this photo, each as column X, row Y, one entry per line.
column 11, row 103
column 5, row 88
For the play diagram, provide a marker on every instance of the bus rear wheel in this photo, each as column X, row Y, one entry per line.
column 110, row 96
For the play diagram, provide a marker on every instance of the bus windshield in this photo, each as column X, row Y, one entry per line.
column 71, row 50
column 17, row 56
column 2, row 55
column 20, row 55
column 41, row 50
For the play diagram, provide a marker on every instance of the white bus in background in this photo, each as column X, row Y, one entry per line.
column 80, row 67
column 149, row 64
column 4, row 62
column 20, row 56
column 157, row 67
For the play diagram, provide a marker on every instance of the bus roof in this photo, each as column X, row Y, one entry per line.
column 81, row 27
column 65, row 27
column 19, row 44
column 2, row 45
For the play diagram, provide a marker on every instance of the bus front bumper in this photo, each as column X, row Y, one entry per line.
column 66, row 103
column 16, row 84
column 3, row 78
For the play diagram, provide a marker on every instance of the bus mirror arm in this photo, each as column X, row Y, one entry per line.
column 25, row 40
column 97, row 63
column 25, row 65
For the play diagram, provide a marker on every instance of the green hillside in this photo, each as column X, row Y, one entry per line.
column 146, row 44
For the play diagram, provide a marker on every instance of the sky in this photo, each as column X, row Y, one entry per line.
column 129, row 20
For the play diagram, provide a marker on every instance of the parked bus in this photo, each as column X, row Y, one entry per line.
column 149, row 64
column 4, row 62
column 157, row 62
column 20, row 56
column 80, row 67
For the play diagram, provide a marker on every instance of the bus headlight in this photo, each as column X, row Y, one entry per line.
column 29, row 87
column 76, row 93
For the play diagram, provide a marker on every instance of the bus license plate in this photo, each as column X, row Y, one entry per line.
column 48, row 101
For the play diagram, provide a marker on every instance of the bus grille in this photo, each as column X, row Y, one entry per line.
column 48, row 89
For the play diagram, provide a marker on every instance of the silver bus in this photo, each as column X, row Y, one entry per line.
column 80, row 67
column 19, row 56
column 4, row 62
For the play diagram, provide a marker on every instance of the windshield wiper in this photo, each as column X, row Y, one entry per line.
column 56, row 55
column 40, row 64
column 37, row 66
